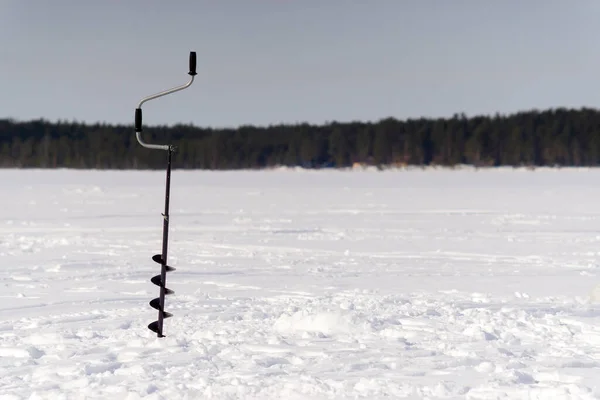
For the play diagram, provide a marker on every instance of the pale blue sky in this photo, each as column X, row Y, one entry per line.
column 263, row 62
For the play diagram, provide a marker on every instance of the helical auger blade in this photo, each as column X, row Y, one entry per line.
column 155, row 303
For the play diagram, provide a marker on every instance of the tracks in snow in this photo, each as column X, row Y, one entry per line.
column 351, row 341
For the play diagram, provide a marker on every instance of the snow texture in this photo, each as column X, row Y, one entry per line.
column 296, row 284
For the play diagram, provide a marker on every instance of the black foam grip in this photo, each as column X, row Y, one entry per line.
column 192, row 63
column 138, row 119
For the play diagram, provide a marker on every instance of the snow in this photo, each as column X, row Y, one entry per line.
column 291, row 284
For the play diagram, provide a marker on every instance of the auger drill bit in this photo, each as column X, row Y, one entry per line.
column 161, row 280
column 159, row 302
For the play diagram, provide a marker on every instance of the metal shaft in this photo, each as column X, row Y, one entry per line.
column 165, row 244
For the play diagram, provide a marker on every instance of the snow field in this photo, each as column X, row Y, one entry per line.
column 302, row 285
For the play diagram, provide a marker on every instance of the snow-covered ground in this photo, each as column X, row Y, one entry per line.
column 302, row 285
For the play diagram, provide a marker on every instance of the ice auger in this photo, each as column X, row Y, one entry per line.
column 161, row 280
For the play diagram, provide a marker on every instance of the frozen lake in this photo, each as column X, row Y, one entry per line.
column 302, row 284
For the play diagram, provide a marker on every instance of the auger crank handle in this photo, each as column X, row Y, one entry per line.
column 138, row 110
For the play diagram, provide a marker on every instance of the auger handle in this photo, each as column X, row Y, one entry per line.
column 138, row 119
column 192, row 63
column 138, row 110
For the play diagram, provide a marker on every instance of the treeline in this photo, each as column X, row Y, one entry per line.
column 557, row 137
